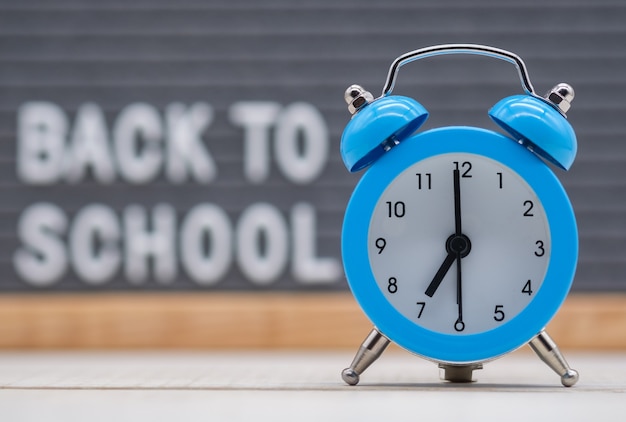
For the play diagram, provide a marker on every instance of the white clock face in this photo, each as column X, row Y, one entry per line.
column 459, row 243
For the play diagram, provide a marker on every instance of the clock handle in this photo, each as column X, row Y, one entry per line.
column 438, row 50
column 550, row 354
column 373, row 346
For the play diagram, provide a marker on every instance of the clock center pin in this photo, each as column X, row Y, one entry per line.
column 459, row 244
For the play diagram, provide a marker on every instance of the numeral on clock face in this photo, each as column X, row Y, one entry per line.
column 465, row 229
column 427, row 184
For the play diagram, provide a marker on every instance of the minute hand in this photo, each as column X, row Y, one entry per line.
column 459, row 325
column 457, row 203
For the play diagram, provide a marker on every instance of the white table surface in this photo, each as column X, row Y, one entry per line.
column 298, row 386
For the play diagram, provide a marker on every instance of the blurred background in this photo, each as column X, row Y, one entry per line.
column 176, row 165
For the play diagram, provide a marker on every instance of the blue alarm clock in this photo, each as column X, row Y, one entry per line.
column 459, row 243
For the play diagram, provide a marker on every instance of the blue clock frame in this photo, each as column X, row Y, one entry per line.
column 467, row 348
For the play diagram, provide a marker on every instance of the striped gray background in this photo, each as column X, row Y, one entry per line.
column 115, row 53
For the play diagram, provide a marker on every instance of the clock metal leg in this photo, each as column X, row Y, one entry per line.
column 549, row 353
column 371, row 349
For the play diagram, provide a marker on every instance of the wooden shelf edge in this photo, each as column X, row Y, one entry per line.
column 247, row 320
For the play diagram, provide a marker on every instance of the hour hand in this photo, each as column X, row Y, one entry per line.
column 441, row 273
